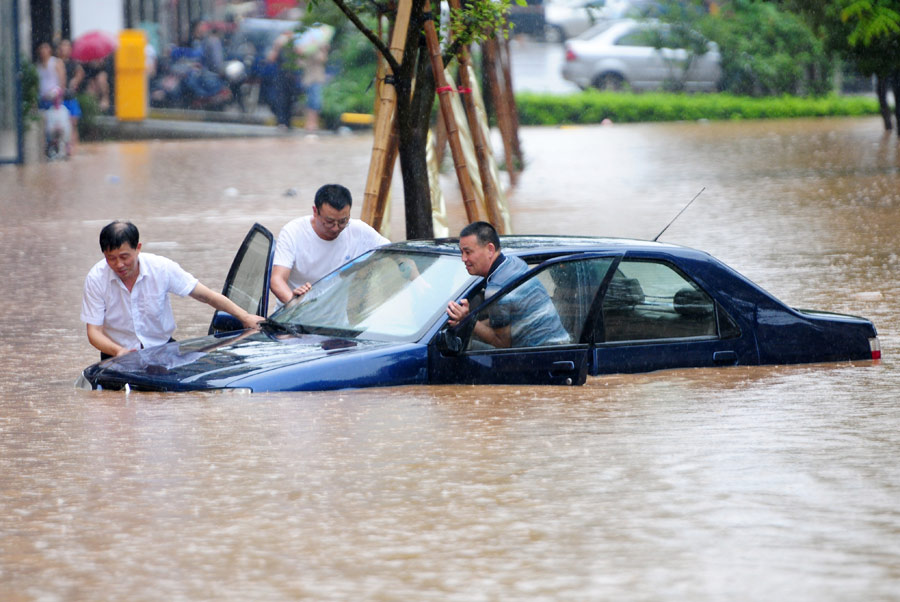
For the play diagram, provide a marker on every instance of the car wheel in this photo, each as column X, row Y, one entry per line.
column 610, row 82
column 554, row 34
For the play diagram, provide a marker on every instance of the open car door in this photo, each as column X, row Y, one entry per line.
column 247, row 283
column 541, row 317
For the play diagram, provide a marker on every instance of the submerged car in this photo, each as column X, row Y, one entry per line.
column 626, row 306
column 641, row 56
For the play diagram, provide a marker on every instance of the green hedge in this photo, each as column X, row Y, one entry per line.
column 593, row 107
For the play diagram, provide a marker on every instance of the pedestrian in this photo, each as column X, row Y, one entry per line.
column 311, row 246
column 525, row 316
column 51, row 75
column 56, row 116
column 97, row 82
column 57, row 129
column 74, row 76
column 126, row 295
column 313, row 56
column 283, row 87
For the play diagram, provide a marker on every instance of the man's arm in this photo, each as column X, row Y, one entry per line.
column 500, row 338
column 61, row 74
column 278, row 284
column 223, row 303
column 103, row 343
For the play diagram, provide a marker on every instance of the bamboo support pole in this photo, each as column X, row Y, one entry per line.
column 443, row 91
column 438, row 207
column 500, row 106
column 387, row 174
column 373, row 212
column 486, row 134
column 383, row 200
column 481, row 147
column 506, row 66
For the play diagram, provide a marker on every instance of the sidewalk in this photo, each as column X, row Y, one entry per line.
column 173, row 124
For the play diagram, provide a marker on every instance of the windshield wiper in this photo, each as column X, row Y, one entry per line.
column 273, row 326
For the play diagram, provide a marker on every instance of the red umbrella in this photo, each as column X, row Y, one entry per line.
column 92, row 46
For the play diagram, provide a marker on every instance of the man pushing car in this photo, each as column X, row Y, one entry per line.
column 126, row 295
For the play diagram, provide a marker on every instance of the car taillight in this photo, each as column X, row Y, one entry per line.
column 875, row 346
column 570, row 55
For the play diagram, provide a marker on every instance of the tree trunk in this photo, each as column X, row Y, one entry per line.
column 881, row 88
column 895, row 86
column 413, row 119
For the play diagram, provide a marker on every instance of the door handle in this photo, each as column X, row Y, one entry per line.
column 724, row 357
column 564, row 366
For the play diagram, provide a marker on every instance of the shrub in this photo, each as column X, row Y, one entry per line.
column 593, row 107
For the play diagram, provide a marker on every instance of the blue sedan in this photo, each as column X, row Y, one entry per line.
column 626, row 305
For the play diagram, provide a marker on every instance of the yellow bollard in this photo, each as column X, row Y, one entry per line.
column 131, row 75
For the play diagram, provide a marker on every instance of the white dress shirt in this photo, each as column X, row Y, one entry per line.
column 142, row 317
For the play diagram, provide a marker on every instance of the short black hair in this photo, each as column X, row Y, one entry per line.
column 484, row 233
column 117, row 233
column 335, row 195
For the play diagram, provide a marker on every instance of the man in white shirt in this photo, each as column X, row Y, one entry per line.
column 126, row 295
column 311, row 246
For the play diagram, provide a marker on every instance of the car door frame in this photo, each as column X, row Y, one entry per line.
column 451, row 363
column 662, row 354
column 225, row 322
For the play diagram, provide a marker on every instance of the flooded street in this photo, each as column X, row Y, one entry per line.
column 769, row 483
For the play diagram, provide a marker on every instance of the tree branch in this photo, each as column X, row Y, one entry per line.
column 452, row 52
column 376, row 41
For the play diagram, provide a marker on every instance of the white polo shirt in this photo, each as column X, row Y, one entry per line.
column 142, row 317
column 310, row 257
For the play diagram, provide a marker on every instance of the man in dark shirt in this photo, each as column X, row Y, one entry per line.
column 525, row 316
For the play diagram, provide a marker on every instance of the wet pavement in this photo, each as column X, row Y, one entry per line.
column 776, row 482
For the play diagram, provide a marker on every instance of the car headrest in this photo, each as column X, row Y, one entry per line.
column 623, row 293
column 692, row 303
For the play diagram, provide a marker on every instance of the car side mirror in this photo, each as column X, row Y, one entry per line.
column 448, row 342
column 224, row 322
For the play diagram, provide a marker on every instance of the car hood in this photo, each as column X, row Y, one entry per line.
column 218, row 361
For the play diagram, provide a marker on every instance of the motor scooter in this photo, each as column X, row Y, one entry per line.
column 186, row 84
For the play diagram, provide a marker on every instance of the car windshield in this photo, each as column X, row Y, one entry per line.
column 383, row 295
column 596, row 30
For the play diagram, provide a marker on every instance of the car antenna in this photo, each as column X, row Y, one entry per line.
column 679, row 213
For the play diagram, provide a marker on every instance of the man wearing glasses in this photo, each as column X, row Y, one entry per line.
column 311, row 246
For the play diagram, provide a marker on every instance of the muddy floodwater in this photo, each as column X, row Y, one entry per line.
column 768, row 483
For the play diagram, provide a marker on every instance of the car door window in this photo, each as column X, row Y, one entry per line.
column 246, row 286
column 648, row 300
column 636, row 38
column 549, row 308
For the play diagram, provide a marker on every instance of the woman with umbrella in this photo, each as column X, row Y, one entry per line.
column 94, row 49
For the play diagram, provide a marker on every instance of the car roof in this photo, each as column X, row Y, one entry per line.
column 530, row 245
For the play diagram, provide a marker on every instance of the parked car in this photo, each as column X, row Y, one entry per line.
column 627, row 306
column 528, row 19
column 639, row 55
column 568, row 18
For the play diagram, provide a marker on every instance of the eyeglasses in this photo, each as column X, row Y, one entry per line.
column 331, row 222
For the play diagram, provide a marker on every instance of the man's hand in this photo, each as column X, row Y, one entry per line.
column 252, row 321
column 457, row 311
column 301, row 290
column 278, row 284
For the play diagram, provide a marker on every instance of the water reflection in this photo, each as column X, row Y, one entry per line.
column 772, row 482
